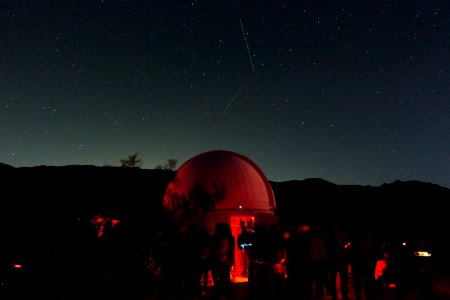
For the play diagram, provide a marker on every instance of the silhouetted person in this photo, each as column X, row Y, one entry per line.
column 298, row 264
column 279, row 276
column 260, row 263
column 365, row 253
column 244, row 243
column 221, row 259
column 188, row 261
column 200, row 251
column 338, row 255
column 182, row 256
column 318, row 258
column 174, row 259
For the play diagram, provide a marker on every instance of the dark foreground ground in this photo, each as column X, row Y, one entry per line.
column 437, row 288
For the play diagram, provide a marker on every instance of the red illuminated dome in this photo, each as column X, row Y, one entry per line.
column 221, row 187
column 244, row 186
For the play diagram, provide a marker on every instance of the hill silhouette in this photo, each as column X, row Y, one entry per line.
column 76, row 189
column 54, row 194
column 397, row 207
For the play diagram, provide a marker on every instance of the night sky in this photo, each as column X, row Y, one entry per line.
column 354, row 92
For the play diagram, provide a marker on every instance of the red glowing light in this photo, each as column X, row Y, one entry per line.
column 379, row 269
column 17, row 266
column 99, row 223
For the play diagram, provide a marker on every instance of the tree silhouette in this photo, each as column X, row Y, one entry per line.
column 170, row 165
column 194, row 206
column 132, row 161
column 203, row 200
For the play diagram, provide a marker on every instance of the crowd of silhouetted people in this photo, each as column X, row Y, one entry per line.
column 281, row 262
column 184, row 261
column 304, row 262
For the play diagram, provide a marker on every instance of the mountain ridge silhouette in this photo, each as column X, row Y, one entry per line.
column 73, row 190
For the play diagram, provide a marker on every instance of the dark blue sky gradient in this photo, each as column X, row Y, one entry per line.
column 347, row 91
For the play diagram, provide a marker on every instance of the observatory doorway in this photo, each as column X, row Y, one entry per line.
column 242, row 224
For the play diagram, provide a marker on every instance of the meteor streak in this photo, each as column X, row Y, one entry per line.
column 234, row 97
column 246, row 44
